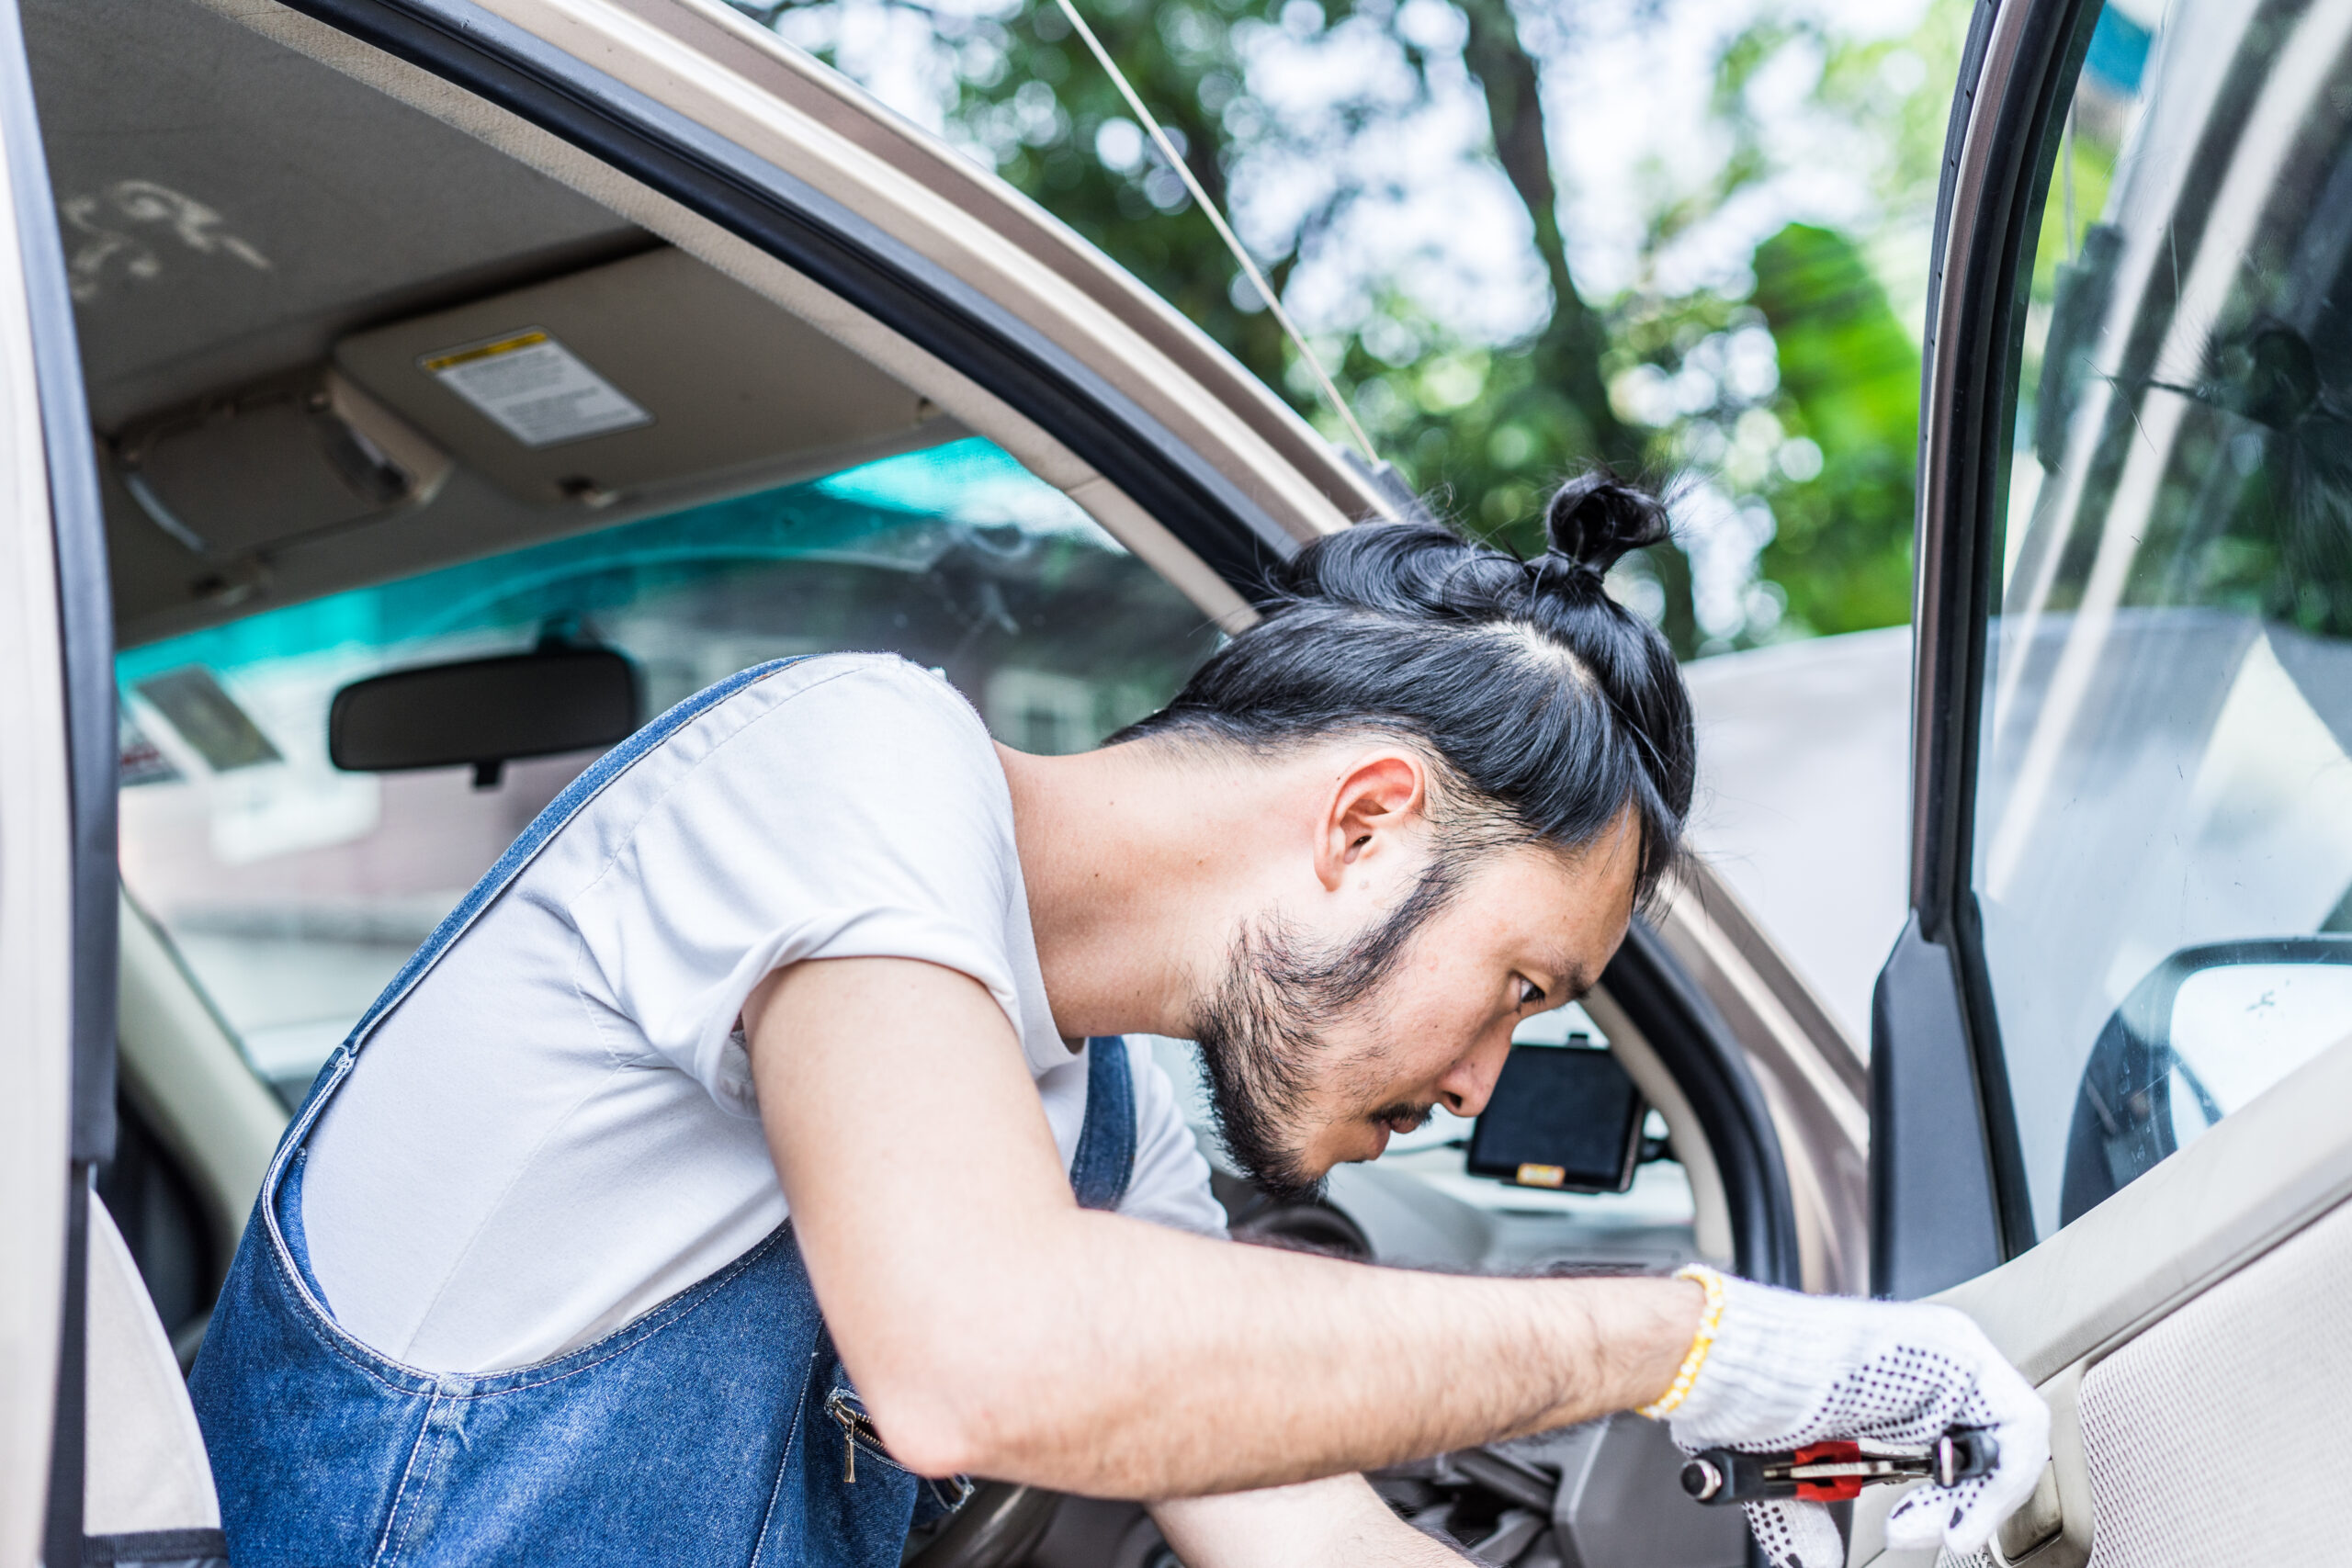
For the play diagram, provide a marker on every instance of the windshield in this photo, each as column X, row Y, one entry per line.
column 293, row 891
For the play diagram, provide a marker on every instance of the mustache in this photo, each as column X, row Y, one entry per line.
column 1403, row 1117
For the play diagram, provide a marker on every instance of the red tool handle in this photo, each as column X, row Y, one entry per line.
column 1835, row 1489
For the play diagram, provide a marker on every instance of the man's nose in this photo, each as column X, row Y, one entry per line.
column 1466, row 1087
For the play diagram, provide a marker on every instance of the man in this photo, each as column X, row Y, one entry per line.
column 755, row 1148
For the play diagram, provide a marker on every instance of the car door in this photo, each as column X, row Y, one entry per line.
column 2112, row 1046
column 44, row 1153
column 99, row 1450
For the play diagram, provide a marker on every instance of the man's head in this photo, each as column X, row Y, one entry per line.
column 1509, row 759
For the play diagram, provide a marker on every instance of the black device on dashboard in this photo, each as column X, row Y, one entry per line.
column 1563, row 1117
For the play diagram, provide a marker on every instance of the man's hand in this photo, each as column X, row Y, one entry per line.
column 1787, row 1370
column 994, row 1327
column 1338, row 1523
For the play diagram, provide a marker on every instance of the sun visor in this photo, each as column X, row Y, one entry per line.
column 626, row 377
column 282, row 458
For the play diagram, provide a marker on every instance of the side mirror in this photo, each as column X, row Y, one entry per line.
column 2209, row 1029
column 1564, row 1117
column 486, row 712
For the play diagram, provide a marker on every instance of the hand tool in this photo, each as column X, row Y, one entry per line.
column 1833, row 1472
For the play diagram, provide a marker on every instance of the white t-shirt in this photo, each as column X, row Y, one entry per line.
column 556, row 1131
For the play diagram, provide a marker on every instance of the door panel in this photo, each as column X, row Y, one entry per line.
column 2258, row 1178
column 2177, row 1330
column 2182, row 1425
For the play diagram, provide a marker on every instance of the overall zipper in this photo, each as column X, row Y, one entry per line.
column 854, row 1424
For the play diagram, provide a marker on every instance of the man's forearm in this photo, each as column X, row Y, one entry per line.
column 1119, row 1359
column 994, row 1327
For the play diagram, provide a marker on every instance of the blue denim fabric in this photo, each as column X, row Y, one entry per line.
column 719, row 1428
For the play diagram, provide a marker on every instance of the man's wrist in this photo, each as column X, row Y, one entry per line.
column 1636, row 1334
column 1702, row 1340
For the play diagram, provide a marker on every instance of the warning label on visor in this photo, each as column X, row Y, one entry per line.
column 537, row 390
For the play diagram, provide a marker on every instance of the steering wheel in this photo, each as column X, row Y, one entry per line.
column 997, row 1527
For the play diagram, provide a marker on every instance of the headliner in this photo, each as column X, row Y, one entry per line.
column 216, row 236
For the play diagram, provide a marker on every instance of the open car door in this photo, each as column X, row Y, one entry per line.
column 2113, row 1047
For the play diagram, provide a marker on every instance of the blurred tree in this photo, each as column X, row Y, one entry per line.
column 1804, row 418
column 1850, row 384
column 1485, row 430
column 1056, row 127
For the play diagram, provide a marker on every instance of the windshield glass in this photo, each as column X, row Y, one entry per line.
column 293, row 891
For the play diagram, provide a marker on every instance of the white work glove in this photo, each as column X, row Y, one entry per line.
column 1785, row 1369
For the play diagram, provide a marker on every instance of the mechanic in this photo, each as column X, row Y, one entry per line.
column 522, row 1286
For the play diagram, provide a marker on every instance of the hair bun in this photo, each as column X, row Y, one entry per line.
column 1597, row 517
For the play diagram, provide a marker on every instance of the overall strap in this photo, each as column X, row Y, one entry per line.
column 1106, row 1142
column 589, row 783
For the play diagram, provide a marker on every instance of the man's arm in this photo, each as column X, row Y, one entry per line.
column 995, row 1327
column 1338, row 1523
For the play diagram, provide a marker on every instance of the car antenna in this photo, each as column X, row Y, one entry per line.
column 1224, row 231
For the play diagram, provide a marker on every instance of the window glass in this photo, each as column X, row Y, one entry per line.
column 2168, row 684
column 293, row 891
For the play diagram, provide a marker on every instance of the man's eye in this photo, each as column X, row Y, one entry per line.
column 1530, row 993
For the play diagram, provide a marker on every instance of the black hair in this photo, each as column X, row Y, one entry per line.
column 1551, row 706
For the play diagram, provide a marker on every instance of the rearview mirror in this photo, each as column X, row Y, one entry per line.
column 485, row 712
column 1564, row 1117
column 2209, row 1029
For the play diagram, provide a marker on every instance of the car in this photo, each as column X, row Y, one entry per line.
column 406, row 397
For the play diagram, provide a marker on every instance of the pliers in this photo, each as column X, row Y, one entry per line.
column 1833, row 1472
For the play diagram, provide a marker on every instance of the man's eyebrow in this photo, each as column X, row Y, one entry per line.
column 1571, row 974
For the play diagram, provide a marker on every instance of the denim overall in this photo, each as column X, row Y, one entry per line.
column 718, row 1429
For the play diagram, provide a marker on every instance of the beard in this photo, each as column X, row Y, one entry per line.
column 1264, row 1031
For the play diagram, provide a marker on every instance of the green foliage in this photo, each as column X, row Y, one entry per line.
column 1059, row 130
column 1799, row 396
column 1485, row 429
column 1849, row 382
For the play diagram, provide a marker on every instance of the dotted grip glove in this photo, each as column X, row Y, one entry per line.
column 1782, row 1369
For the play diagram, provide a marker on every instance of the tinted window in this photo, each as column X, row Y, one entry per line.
column 2169, row 690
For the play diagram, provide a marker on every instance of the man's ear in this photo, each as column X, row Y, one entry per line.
column 1381, row 794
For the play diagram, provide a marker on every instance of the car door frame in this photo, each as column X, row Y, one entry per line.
column 57, row 843
column 1948, row 1197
